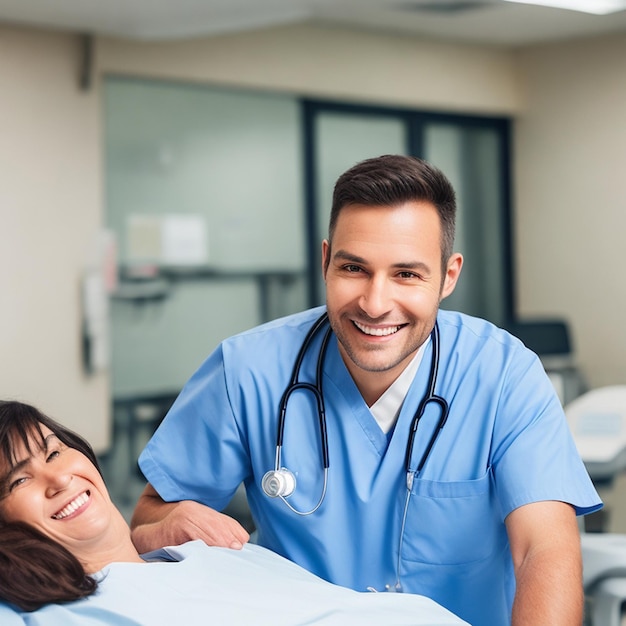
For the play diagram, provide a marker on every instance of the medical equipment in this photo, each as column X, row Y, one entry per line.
column 597, row 420
column 281, row 482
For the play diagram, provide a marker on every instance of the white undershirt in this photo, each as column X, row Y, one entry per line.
column 387, row 408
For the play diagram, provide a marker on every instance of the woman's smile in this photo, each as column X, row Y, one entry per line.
column 74, row 507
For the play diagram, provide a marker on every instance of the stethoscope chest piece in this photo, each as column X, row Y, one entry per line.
column 278, row 483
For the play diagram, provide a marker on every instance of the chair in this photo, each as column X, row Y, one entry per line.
column 597, row 420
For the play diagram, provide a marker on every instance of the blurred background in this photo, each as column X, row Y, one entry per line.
column 166, row 170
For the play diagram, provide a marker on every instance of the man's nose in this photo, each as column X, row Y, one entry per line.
column 376, row 299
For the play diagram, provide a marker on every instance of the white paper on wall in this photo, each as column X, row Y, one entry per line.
column 184, row 240
column 173, row 240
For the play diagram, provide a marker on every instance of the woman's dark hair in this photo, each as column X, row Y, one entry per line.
column 34, row 569
column 394, row 179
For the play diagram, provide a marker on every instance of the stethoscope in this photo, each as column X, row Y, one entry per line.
column 281, row 482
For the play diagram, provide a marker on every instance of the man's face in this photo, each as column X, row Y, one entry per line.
column 384, row 283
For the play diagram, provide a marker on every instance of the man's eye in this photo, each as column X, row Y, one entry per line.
column 352, row 268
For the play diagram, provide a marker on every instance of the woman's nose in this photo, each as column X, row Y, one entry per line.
column 57, row 481
column 376, row 299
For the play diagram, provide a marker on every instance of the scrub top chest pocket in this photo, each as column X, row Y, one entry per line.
column 453, row 523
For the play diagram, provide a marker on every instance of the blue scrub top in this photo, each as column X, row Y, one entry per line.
column 505, row 444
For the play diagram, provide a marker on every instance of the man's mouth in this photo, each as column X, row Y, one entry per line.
column 72, row 506
column 377, row 332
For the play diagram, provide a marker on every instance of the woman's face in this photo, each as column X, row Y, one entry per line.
column 57, row 490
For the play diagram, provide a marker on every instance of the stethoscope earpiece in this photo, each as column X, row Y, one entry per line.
column 278, row 483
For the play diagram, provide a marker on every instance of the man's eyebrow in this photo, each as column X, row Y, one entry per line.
column 413, row 265
column 347, row 256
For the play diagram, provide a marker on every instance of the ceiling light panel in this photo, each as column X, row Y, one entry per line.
column 597, row 7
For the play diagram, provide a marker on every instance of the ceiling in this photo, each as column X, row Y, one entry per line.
column 478, row 21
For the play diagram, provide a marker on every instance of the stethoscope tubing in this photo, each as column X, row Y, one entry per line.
column 316, row 389
column 430, row 396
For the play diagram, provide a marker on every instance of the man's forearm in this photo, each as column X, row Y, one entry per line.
column 549, row 590
column 148, row 531
column 150, row 508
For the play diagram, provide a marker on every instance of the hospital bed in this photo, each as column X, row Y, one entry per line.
column 597, row 420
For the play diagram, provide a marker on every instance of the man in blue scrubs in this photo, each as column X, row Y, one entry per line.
column 485, row 524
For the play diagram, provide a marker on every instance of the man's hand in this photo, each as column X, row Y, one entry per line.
column 157, row 523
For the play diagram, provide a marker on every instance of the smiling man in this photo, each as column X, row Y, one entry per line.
column 397, row 448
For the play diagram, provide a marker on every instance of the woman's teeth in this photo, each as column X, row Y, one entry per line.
column 377, row 332
column 74, row 505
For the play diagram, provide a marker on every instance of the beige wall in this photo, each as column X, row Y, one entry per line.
column 569, row 100
column 570, row 155
column 50, row 209
column 332, row 63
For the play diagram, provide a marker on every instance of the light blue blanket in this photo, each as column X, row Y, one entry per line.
column 250, row 587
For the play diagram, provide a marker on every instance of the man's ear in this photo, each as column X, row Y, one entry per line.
column 325, row 257
column 453, row 271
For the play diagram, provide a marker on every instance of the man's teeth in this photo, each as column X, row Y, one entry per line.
column 74, row 505
column 377, row 332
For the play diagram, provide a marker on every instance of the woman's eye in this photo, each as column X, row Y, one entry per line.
column 16, row 483
column 53, row 455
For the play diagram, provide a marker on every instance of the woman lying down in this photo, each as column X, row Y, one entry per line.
column 66, row 556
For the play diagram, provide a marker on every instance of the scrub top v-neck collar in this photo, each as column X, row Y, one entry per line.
column 387, row 408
